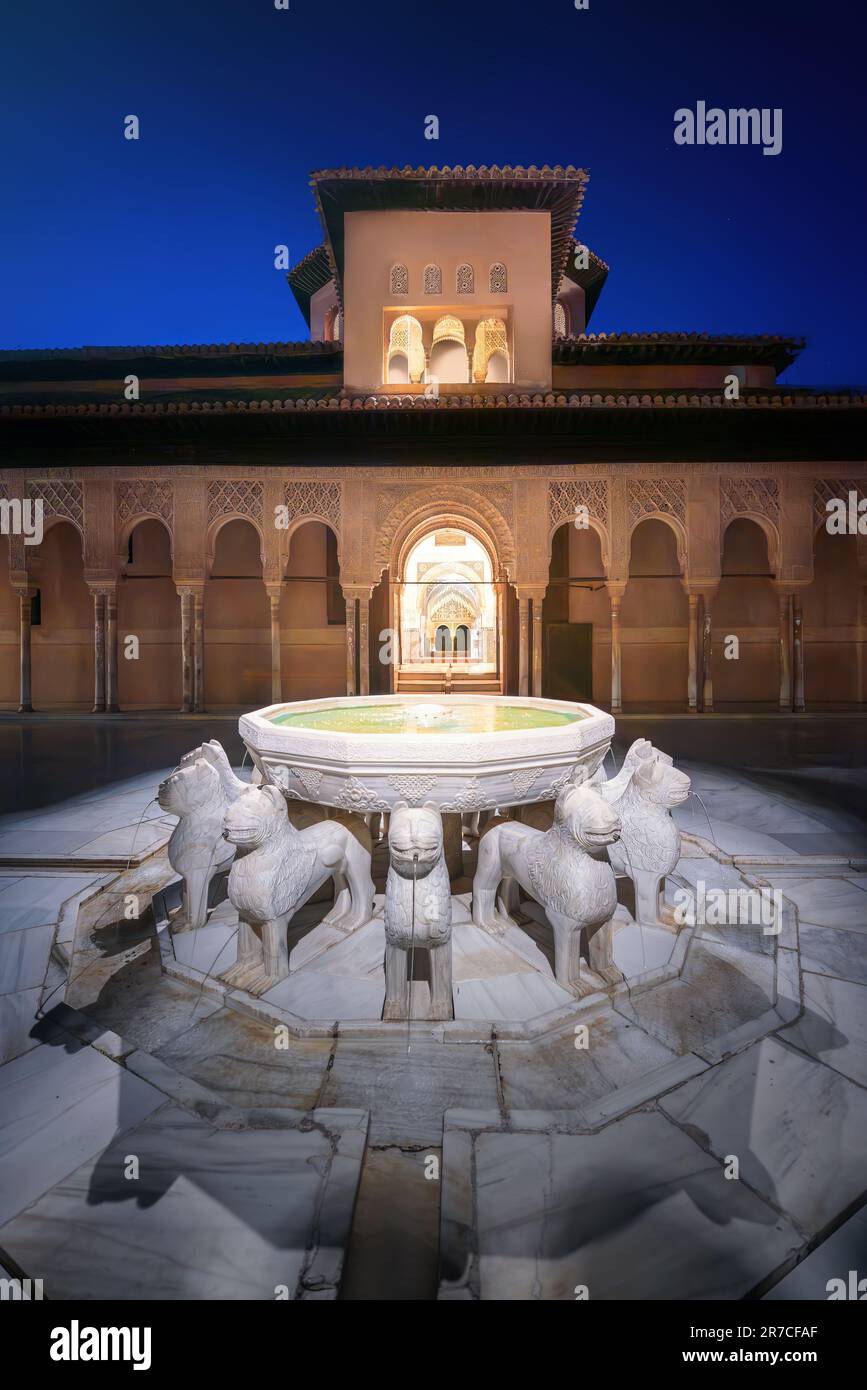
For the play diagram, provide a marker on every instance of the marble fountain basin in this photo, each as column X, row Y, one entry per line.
column 462, row 752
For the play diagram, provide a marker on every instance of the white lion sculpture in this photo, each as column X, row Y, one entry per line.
column 565, row 869
column 277, row 870
column 199, row 792
column 643, row 794
column 415, row 840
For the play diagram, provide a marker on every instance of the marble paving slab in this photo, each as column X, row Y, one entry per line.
column 826, row 951
column 509, row 997
column 17, row 1020
column 214, row 1214
column 833, row 1026
column 59, row 1105
column 554, row 1074
column 798, row 1128
column 210, row 949
column 408, row 1093
column 636, row 1211
column 24, row 958
column 237, row 1058
column 35, row 900
column 311, row 994
column 828, row 902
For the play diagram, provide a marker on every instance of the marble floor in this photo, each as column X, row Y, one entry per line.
column 470, row 1167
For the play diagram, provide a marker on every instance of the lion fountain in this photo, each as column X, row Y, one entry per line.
column 418, row 909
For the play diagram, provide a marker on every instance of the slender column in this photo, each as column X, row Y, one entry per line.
column 798, row 652
column 692, row 678
column 98, row 650
column 25, row 695
column 274, row 595
column 523, row 646
column 350, row 646
column 706, row 652
column 537, row 647
column 615, row 597
column 501, row 638
column 199, row 650
column 364, row 645
column 785, row 600
column 186, row 597
column 111, row 650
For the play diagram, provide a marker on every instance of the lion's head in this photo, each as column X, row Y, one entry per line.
column 660, row 782
column 192, row 785
column 415, row 836
column 586, row 817
column 257, row 815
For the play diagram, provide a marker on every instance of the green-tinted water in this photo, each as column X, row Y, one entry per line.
column 424, row 718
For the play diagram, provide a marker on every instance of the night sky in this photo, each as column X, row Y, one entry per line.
column 170, row 239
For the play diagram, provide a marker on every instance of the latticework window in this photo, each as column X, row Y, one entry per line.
column 399, row 279
column 559, row 320
column 433, row 280
column 405, row 339
column 464, row 279
column 499, row 279
column 449, row 329
column 491, row 337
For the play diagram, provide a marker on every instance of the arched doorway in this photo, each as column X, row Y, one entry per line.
column 576, row 619
column 312, row 616
column 654, row 618
column 148, row 609
column 448, row 611
column 746, row 607
column 832, row 618
column 62, row 659
column 237, row 663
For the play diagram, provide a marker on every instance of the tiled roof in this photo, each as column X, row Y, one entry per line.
column 678, row 348
column 309, row 275
column 692, row 400
column 302, row 348
column 476, row 188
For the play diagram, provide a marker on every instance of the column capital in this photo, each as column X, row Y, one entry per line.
column 616, row 589
column 536, row 592
column 701, row 588
column 188, row 588
column 101, row 586
column 361, row 591
column 24, row 590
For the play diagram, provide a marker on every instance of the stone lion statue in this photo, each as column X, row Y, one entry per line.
column 643, row 794
column 199, row 792
column 415, row 840
column 276, row 870
column 566, row 870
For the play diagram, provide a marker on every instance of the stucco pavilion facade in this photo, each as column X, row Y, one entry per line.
column 251, row 518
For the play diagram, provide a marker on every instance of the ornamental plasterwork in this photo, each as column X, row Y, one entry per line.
column 413, row 789
column 399, row 280
column 354, row 796
column 234, row 496
column 523, row 779
column 310, row 779
column 464, row 279
column 742, row 494
column 499, row 279
column 826, row 488
column 565, row 498
column 471, row 797
column 147, row 496
column 433, row 280
column 647, row 495
column 60, row 499
column 316, row 499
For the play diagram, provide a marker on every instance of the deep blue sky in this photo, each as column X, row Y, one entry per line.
column 170, row 239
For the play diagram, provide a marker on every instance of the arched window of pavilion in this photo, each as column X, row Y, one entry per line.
column 406, row 360
column 491, row 352
column 498, row 280
column 399, row 280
